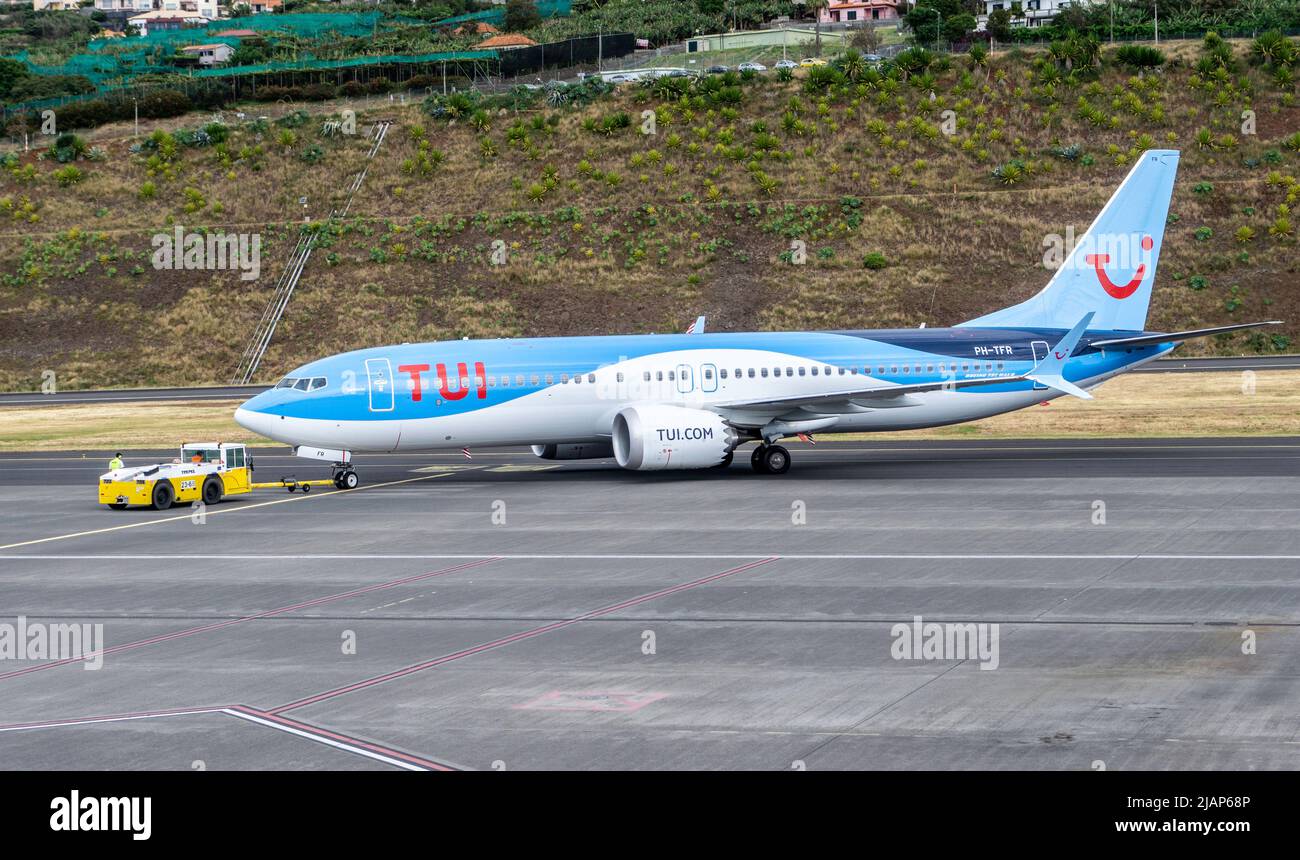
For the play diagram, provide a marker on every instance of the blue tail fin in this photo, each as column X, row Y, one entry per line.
column 1112, row 268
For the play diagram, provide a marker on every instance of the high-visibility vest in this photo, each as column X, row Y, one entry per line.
column 115, row 463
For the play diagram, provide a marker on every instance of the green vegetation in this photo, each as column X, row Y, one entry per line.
column 660, row 200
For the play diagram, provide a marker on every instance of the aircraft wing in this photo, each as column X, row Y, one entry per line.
column 864, row 394
column 1048, row 372
column 1142, row 340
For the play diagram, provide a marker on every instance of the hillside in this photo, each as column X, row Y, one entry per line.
column 609, row 229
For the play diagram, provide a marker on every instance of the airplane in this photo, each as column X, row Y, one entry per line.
column 688, row 401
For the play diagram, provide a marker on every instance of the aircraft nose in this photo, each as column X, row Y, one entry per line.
column 251, row 417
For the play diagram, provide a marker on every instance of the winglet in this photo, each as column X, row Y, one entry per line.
column 1050, row 371
column 696, row 327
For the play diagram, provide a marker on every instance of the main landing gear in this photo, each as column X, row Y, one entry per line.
column 345, row 478
column 770, row 459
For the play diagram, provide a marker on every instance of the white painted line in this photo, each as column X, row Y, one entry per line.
column 652, row 556
column 327, row 741
column 214, row 511
column 85, row 721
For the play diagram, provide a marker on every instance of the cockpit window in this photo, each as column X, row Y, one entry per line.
column 287, row 382
column 302, row 384
column 317, row 382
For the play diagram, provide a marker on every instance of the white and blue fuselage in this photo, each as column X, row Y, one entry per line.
column 547, row 391
column 688, row 400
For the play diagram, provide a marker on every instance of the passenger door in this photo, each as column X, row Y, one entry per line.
column 708, row 378
column 1040, row 348
column 685, row 379
column 379, row 374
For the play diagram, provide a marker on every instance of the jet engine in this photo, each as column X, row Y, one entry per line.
column 574, row 451
column 651, row 437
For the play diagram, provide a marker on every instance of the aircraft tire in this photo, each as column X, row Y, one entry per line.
column 756, row 459
column 776, row 460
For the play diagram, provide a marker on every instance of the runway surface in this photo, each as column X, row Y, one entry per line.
column 513, row 613
column 243, row 392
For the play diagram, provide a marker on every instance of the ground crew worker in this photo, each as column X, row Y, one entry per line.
column 116, row 463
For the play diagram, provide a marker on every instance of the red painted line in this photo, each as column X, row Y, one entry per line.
column 516, row 637
column 267, row 614
column 342, row 738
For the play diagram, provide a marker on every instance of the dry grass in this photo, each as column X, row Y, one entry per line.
column 1137, row 405
column 113, row 427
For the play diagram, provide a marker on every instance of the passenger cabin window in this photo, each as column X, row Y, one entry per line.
column 591, row 377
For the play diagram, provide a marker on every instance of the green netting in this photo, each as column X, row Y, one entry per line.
column 111, row 64
column 139, row 55
column 309, row 63
column 547, row 8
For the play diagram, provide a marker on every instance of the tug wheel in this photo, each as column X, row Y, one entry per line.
column 163, row 495
column 213, row 490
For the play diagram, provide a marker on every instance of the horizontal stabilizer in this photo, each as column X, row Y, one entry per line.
column 1049, row 371
column 1060, row 383
column 1142, row 340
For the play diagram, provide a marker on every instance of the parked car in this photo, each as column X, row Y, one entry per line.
column 786, row 64
column 753, row 67
column 873, row 59
column 812, row 61
column 717, row 70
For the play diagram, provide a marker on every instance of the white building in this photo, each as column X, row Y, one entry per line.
column 150, row 22
column 132, row 6
column 209, row 55
column 1028, row 13
column 206, row 8
column 55, row 5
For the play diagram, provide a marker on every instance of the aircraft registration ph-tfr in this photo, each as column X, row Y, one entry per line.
column 687, row 401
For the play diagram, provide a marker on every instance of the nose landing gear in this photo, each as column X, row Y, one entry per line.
column 770, row 459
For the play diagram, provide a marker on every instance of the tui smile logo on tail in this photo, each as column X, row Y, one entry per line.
column 1119, row 291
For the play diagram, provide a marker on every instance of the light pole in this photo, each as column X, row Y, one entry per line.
column 136, row 100
column 1157, row 5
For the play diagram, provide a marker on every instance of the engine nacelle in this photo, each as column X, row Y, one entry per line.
column 648, row 438
column 574, row 451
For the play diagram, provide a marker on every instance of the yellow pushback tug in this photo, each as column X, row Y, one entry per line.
column 205, row 471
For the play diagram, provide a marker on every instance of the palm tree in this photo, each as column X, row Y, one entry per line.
column 816, row 7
